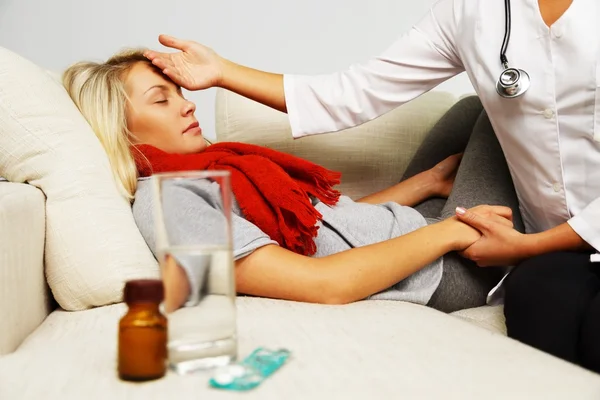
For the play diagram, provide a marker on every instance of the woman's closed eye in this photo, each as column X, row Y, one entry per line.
column 161, row 101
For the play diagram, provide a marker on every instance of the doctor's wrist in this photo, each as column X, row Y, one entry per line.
column 529, row 246
column 225, row 69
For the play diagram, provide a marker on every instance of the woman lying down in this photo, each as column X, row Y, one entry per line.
column 333, row 250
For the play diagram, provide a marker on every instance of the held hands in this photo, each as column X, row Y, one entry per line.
column 500, row 244
column 467, row 235
column 194, row 67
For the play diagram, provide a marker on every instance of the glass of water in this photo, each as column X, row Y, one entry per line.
column 196, row 262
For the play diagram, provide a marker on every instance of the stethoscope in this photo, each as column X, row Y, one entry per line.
column 513, row 82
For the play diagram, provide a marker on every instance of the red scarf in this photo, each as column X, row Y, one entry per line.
column 271, row 187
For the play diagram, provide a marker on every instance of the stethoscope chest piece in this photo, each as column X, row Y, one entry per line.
column 512, row 83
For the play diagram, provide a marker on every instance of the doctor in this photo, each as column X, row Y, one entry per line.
column 535, row 65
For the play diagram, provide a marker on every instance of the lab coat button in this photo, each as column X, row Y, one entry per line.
column 548, row 113
column 556, row 187
column 558, row 32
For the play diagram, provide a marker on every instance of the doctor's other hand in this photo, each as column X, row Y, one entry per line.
column 193, row 67
column 500, row 244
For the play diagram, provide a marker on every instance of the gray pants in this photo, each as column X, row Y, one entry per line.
column 482, row 178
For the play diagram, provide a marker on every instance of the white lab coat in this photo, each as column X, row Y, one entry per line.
column 550, row 136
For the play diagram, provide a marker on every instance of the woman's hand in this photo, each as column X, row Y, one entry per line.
column 194, row 67
column 444, row 173
column 460, row 235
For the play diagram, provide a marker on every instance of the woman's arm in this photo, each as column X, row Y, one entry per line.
column 435, row 182
column 352, row 275
column 409, row 192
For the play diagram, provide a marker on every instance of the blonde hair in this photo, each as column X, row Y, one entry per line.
column 98, row 90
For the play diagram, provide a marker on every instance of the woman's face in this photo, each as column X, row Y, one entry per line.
column 158, row 114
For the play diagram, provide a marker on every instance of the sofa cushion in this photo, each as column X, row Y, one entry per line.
column 365, row 350
column 371, row 157
column 488, row 317
column 92, row 242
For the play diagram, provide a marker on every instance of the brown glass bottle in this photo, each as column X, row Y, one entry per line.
column 142, row 332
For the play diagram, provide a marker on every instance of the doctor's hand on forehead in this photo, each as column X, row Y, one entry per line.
column 197, row 67
column 193, row 67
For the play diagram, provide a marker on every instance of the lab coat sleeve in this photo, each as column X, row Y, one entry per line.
column 587, row 224
column 416, row 62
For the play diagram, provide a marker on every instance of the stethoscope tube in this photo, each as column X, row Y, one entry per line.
column 512, row 82
column 507, row 31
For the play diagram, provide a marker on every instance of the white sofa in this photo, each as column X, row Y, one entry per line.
column 370, row 349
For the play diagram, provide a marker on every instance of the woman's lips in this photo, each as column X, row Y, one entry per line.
column 193, row 129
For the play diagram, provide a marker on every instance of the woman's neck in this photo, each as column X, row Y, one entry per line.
column 552, row 10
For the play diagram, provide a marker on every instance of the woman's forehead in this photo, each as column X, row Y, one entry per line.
column 144, row 76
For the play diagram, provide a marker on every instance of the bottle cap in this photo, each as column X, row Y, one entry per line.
column 143, row 291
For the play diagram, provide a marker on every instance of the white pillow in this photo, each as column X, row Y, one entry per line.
column 92, row 243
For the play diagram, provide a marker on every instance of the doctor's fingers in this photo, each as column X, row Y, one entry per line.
column 175, row 43
column 163, row 61
column 490, row 215
column 505, row 212
column 500, row 220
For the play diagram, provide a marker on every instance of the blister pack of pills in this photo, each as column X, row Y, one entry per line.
column 250, row 372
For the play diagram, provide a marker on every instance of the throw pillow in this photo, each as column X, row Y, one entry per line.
column 92, row 243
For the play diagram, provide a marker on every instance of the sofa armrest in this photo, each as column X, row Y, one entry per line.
column 24, row 295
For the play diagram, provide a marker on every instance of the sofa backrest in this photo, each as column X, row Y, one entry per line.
column 371, row 157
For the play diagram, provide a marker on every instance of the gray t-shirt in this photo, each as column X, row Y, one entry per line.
column 194, row 206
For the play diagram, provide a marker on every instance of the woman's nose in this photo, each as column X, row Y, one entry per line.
column 189, row 108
